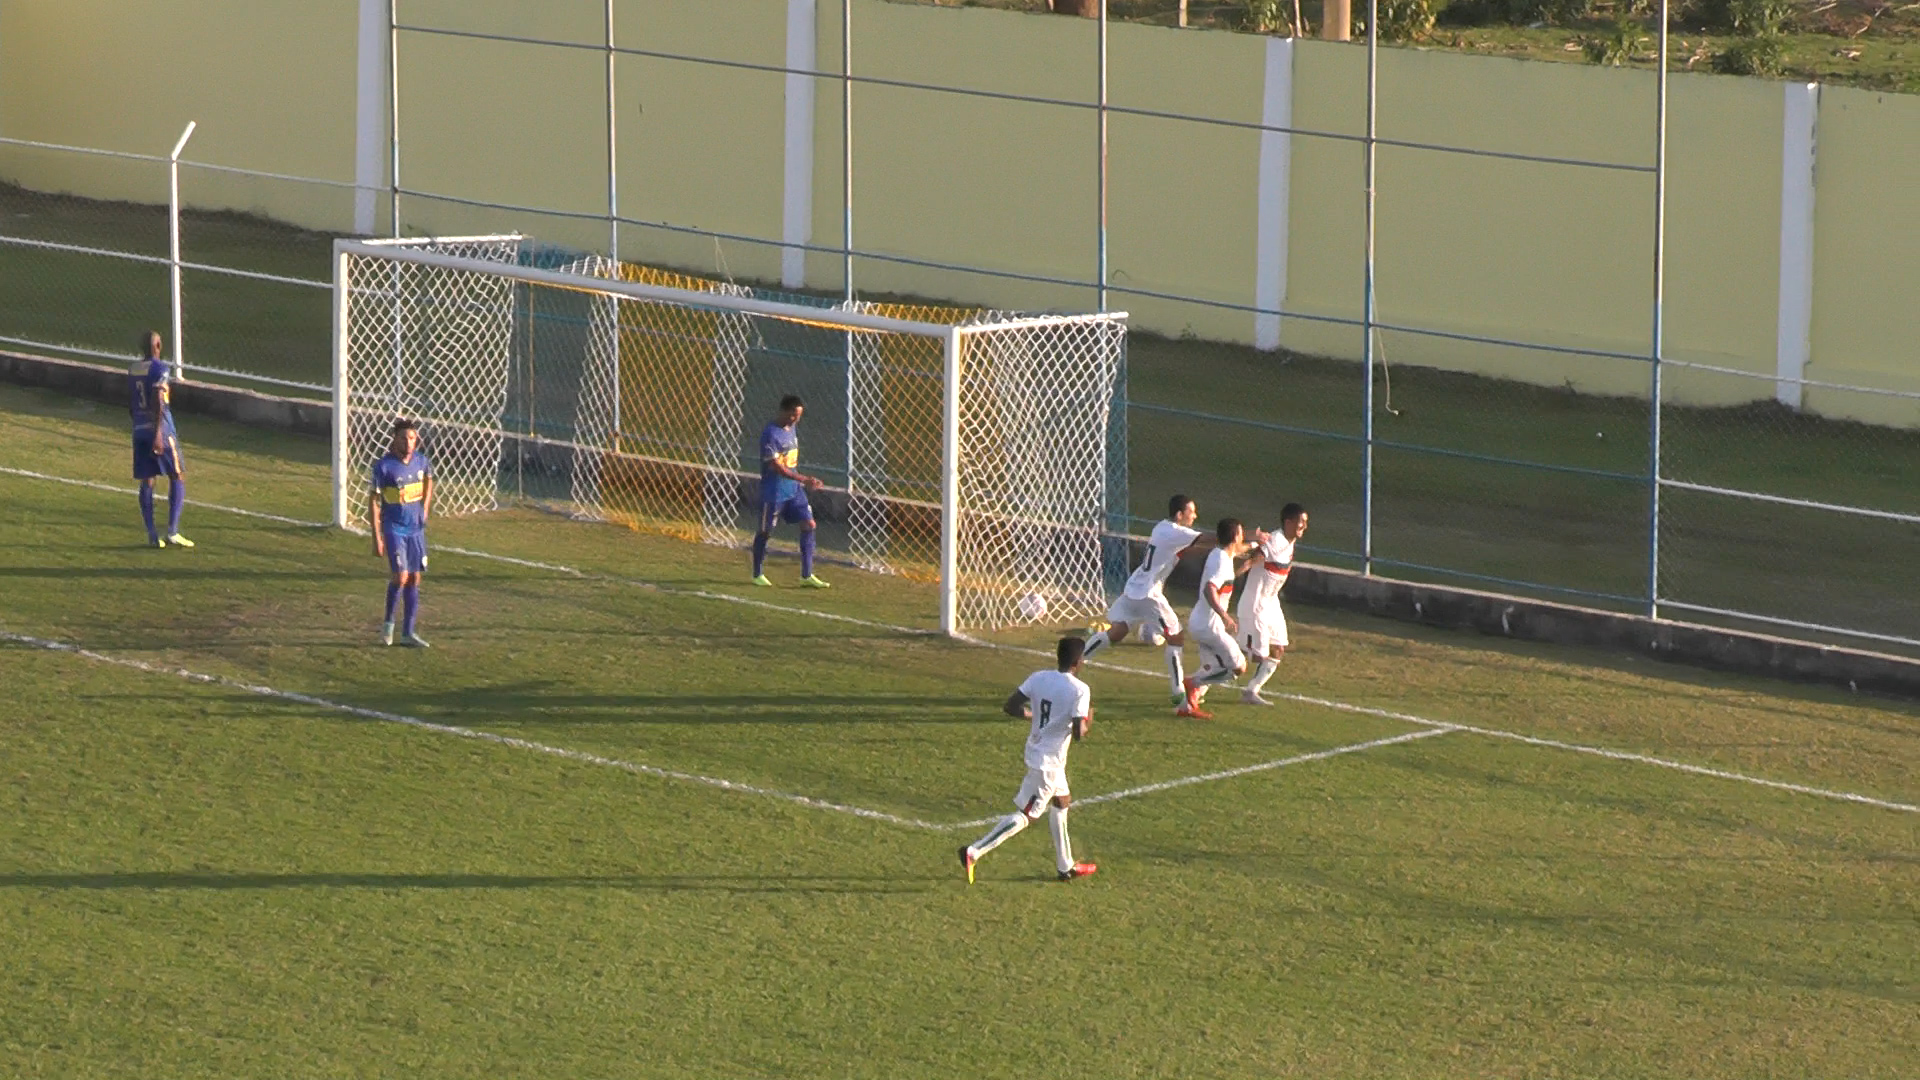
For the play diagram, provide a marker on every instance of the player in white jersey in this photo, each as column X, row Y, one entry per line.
column 1212, row 625
column 1263, row 626
column 1144, row 601
column 1061, row 707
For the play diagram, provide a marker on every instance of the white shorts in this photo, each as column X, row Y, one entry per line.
column 1215, row 645
column 1137, row 613
column 1269, row 632
column 1042, row 784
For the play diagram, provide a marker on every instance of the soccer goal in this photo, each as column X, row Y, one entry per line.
column 979, row 450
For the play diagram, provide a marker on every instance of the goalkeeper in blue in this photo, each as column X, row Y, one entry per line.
column 402, row 500
column 156, row 448
column 783, row 492
column 1060, row 707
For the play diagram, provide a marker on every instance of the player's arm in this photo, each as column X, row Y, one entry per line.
column 1212, row 593
column 373, row 515
column 158, row 397
column 426, row 499
column 1082, row 723
column 811, row 483
column 1016, row 706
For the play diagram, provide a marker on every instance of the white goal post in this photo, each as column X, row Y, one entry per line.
column 978, row 453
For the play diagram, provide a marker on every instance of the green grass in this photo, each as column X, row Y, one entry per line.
column 197, row 880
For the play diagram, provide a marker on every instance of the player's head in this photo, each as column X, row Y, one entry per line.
column 405, row 439
column 1069, row 653
column 150, row 345
column 1181, row 511
column 1228, row 532
column 791, row 409
column 1293, row 521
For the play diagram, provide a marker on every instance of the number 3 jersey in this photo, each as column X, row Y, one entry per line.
column 1056, row 699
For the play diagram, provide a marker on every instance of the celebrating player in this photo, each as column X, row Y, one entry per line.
column 783, row 492
column 1145, row 597
column 402, row 500
column 1212, row 626
column 156, row 448
column 1060, row 706
column 1263, row 626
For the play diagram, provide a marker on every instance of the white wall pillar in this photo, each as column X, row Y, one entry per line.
column 1276, row 164
column 796, row 221
column 370, row 116
column 1801, row 117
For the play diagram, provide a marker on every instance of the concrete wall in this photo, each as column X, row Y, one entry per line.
column 1469, row 245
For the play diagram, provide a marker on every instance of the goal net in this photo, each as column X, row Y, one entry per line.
column 978, row 450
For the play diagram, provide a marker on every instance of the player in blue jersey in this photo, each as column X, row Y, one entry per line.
column 402, row 500
column 156, row 448
column 783, row 492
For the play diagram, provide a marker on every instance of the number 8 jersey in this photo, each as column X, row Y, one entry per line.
column 1056, row 700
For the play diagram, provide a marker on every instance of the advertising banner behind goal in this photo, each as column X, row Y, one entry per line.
column 981, row 450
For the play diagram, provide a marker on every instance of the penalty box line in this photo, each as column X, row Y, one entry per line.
column 1439, row 727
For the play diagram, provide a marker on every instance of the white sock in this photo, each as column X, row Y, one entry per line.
column 998, row 835
column 1097, row 641
column 1062, row 847
column 1268, row 666
column 1177, row 668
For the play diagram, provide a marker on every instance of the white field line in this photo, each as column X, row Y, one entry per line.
column 1340, row 706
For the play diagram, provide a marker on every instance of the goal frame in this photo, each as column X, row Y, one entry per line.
column 952, row 338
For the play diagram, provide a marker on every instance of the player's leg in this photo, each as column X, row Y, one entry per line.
column 396, row 579
column 146, row 513
column 801, row 512
column 176, row 491
column 1119, row 617
column 1175, row 649
column 1028, row 803
column 146, row 466
column 1270, row 646
column 416, row 547
column 763, row 532
column 1062, row 844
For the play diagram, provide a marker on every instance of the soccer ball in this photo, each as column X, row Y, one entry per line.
column 1150, row 636
column 1033, row 607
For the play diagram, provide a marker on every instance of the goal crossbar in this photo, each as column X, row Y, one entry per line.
column 952, row 338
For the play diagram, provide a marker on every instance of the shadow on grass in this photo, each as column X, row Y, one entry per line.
column 215, row 879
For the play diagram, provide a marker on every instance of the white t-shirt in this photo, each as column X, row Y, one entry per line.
column 1265, row 578
column 1057, row 700
column 1164, row 546
column 1219, row 574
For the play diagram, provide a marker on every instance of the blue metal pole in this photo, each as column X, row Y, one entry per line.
column 1367, row 305
column 1659, row 324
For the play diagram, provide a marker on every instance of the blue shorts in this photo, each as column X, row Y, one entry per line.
column 406, row 552
column 146, row 463
column 791, row 511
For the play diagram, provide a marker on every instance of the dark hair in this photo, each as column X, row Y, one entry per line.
column 401, row 423
column 1069, row 651
column 791, row 401
column 1177, row 504
column 149, row 339
column 1291, row 511
column 1227, row 530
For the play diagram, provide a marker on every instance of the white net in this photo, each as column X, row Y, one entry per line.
column 554, row 385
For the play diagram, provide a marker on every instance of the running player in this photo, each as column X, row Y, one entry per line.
column 402, row 500
column 783, row 492
column 156, row 448
column 1213, row 627
column 1144, row 602
column 1263, row 626
column 1061, row 707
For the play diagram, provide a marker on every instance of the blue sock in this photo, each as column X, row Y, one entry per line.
column 411, row 592
column 760, row 553
column 393, row 594
column 176, row 499
column 806, row 553
column 146, row 509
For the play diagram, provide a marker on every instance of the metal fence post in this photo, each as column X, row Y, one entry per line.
column 613, row 156
column 1659, row 324
column 173, row 249
column 1366, row 301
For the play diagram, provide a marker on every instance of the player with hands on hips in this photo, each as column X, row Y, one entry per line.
column 1060, row 708
column 783, row 492
column 1263, row 626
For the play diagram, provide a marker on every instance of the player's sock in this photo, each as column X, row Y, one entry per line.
column 1268, row 665
column 760, row 553
column 146, row 511
column 806, row 553
column 1097, row 641
column 1062, row 847
column 1177, row 669
column 393, row 597
column 999, row 834
column 176, row 500
column 410, row 595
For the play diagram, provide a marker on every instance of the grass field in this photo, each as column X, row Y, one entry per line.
column 252, row 873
